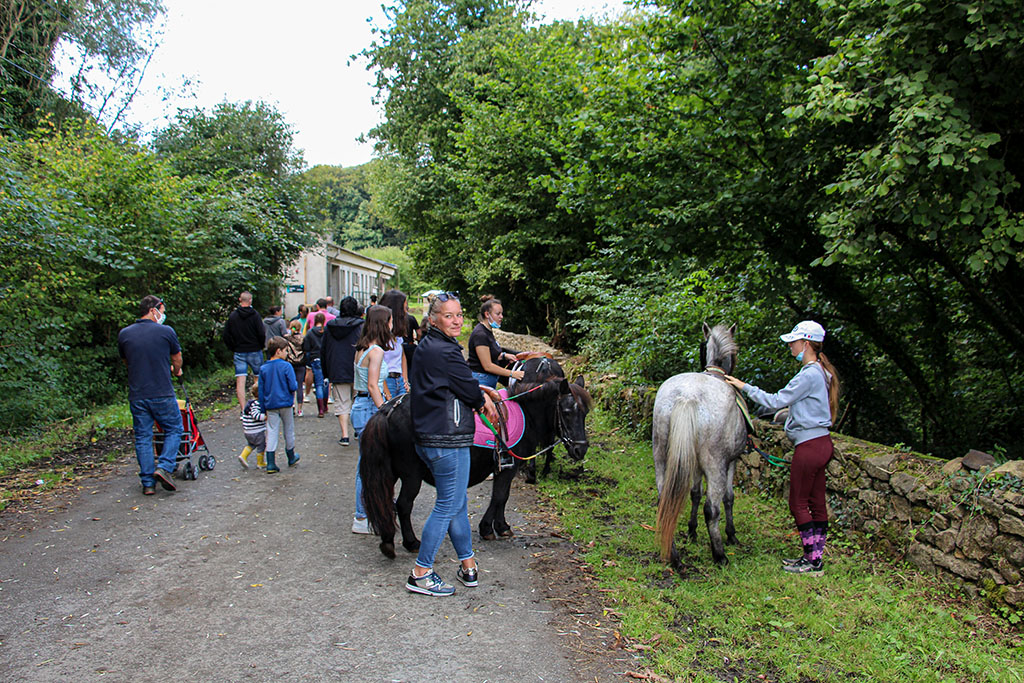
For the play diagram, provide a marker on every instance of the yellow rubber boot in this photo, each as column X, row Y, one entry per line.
column 243, row 457
column 260, row 460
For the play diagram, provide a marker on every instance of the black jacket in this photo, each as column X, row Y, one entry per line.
column 244, row 332
column 311, row 344
column 338, row 353
column 444, row 393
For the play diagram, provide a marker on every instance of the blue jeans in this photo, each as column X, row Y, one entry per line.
column 450, row 467
column 164, row 412
column 486, row 379
column 319, row 386
column 396, row 385
column 362, row 410
column 248, row 360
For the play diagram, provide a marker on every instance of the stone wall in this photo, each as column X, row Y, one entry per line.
column 962, row 520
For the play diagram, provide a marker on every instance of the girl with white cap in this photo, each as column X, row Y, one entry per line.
column 812, row 397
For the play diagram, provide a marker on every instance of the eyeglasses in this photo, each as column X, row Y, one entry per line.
column 445, row 296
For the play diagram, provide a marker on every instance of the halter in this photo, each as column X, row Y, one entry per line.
column 560, row 427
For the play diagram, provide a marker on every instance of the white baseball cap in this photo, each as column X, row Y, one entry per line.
column 805, row 329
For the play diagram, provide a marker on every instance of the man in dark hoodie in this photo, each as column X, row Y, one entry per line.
column 245, row 336
column 337, row 356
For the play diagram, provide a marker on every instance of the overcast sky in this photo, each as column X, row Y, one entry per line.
column 293, row 55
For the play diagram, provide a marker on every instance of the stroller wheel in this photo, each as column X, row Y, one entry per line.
column 211, row 462
column 204, row 463
column 189, row 471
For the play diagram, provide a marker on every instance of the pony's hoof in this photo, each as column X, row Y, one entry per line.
column 388, row 549
column 507, row 533
column 722, row 561
column 731, row 540
column 412, row 547
column 488, row 537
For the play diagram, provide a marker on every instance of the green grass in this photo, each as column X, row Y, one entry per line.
column 863, row 620
column 26, row 450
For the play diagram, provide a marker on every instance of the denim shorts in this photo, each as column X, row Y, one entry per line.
column 486, row 379
column 248, row 360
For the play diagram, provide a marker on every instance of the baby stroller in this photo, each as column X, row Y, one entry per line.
column 191, row 442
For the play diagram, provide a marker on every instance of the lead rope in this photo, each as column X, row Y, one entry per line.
column 714, row 370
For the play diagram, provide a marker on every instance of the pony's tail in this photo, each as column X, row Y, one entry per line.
column 680, row 467
column 377, row 475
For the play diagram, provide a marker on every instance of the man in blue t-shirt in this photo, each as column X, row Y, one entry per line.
column 152, row 353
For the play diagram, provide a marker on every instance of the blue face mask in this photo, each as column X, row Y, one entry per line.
column 800, row 357
column 495, row 325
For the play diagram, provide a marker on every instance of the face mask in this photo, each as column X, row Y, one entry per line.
column 495, row 325
column 160, row 318
column 800, row 356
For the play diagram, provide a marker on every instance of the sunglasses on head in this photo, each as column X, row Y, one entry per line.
column 445, row 296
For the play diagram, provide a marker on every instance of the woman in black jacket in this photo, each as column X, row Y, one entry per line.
column 443, row 398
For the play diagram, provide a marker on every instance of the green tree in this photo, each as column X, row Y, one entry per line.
column 473, row 131
column 109, row 42
column 246, row 151
column 344, row 207
column 721, row 136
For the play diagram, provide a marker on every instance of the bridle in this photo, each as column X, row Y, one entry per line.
column 561, row 430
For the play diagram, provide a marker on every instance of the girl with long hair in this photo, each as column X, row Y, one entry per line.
column 397, row 380
column 812, row 397
column 370, row 372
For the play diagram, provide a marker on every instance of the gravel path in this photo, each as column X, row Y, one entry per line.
column 244, row 576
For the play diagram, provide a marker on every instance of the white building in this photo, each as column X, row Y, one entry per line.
column 330, row 270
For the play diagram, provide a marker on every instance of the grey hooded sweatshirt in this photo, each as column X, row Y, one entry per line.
column 806, row 395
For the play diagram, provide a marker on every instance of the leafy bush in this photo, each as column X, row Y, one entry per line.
column 649, row 328
column 88, row 226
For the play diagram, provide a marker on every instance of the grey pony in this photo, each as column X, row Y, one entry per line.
column 699, row 432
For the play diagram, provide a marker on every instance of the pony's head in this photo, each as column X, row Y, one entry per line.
column 718, row 348
column 572, row 401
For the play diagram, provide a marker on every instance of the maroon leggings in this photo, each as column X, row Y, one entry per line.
column 807, row 480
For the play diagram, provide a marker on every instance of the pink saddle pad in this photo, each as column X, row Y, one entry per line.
column 515, row 423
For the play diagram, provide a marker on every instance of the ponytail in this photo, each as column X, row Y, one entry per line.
column 833, row 382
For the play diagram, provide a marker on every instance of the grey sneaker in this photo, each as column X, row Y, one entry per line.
column 805, row 566
column 468, row 577
column 431, row 584
column 790, row 561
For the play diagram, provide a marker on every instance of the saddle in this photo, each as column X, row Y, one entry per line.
column 511, row 424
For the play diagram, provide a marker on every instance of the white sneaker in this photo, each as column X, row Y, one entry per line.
column 305, row 399
column 330, row 399
column 360, row 526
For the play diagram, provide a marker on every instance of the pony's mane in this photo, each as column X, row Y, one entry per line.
column 720, row 344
